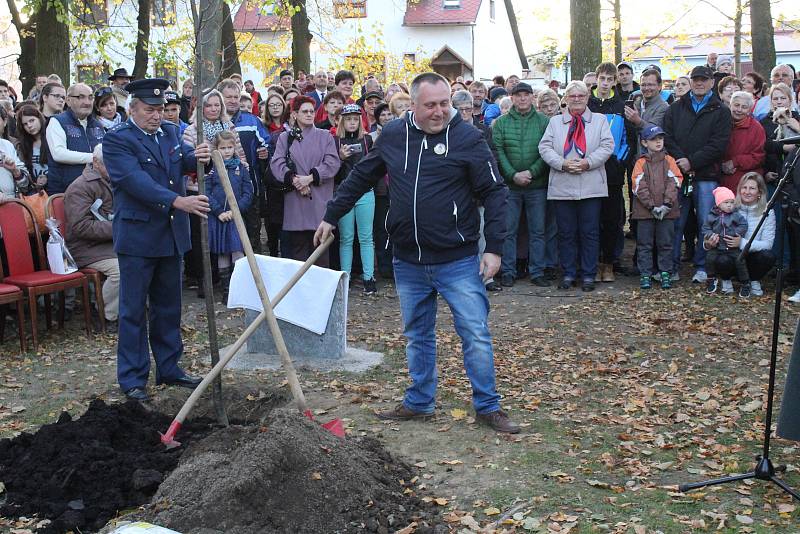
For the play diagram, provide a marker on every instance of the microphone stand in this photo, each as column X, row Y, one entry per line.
column 764, row 470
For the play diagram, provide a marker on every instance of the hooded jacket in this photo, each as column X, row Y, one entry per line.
column 701, row 137
column 724, row 225
column 435, row 180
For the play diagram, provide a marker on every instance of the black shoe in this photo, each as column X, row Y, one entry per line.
column 507, row 280
column 186, row 381
column 137, row 394
column 551, row 273
column 588, row 285
column 112, row 327
column 540, row 281
column 493, row 286
column 370, row 288
column 566, row 283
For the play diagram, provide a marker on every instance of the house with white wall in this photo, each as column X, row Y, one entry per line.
column 476, row 39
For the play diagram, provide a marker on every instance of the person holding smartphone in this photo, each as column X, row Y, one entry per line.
column 353, row 144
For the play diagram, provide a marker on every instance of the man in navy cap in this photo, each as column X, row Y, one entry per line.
column 146, row 159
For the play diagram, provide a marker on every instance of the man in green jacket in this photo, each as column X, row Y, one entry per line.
column 516, row 136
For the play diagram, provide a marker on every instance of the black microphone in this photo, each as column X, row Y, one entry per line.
column 790, row 140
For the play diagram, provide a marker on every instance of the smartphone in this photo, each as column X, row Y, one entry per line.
column 629, row 103
column 356, row 149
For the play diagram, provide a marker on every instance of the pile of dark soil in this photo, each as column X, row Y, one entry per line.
column 288, row 475
column 81, row 473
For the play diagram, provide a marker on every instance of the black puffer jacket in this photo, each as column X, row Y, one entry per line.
column 700, row 137
column 434, row 181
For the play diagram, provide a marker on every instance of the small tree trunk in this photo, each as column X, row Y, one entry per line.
column 762, row 33
column 617, row 32
column 230, row 54
column 142, row 40
column 27, row 47
column 737, row 39
column 208, row 21
column 301, row 38
column 586, row 47
column 52, row 34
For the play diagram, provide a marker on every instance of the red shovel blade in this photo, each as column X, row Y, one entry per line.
column 335, row 426
column 168, row 439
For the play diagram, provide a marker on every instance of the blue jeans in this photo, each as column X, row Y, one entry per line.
column 551, row 235
column 579, row 236
column 680, row 224
column 703, row 202
column 534, row 201
column 361, row 217
column 459, row 282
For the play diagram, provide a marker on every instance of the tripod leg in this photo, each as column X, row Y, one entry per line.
column 683, row 488
column 785, row 487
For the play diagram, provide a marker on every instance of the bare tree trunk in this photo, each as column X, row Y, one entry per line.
column 142, row 40
column 617, row 32
column 301, row 38
column 208, row 21
column 52, row 34
column 737, row 39
column 762, row 34
column 586, row 49
column 27, row 46
column 230, row 54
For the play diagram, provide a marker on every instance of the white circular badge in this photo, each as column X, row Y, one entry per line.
column 439, row 149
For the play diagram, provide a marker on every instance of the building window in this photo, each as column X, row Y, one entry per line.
column 491, row 9
column 349, row 9
column 91, row 12
column 163, row 13
column 93, row 74
column 451, row 4
column 168, row 72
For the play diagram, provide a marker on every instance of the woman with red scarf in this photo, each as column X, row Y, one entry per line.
column 745, row 150
column 576, row 145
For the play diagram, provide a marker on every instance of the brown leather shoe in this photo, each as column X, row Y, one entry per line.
column 401, row 413
column 608, row 273
column 499, row 421
column 601, row 269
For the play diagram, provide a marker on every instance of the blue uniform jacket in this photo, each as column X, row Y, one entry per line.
column 145, row 180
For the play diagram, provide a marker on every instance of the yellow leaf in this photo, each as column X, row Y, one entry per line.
column 440, row 501
column 491, row 511
column 316, row 476
column 458, row 414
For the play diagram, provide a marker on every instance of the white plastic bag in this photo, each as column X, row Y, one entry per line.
column 143, row 528
column 58, row 256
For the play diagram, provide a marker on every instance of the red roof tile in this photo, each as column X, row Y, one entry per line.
column 421, row 12
column 250, row 19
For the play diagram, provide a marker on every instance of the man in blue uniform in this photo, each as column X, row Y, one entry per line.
column 146, row 160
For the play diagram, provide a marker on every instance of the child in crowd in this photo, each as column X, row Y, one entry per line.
column 223, row 239
column 656, row 179
column 353, row 145
column 724, row 221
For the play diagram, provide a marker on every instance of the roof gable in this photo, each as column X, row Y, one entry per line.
column 250, row 19
column 424, row 12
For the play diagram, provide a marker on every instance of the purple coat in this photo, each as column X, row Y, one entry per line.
column 315, row 155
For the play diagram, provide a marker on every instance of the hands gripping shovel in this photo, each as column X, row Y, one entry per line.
column 335, row 426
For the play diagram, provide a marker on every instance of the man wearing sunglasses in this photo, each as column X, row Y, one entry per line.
column 71, row 138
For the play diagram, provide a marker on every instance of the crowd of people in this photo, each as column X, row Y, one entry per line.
column 699, row 159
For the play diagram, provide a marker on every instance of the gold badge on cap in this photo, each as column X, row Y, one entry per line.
column 439, row 149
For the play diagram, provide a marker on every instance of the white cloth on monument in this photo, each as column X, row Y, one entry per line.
column 307, row 305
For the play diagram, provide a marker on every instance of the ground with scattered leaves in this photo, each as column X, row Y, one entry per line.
column 622, row 395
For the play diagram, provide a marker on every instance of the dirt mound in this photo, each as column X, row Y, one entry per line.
column 81, row 473
column 288, row 476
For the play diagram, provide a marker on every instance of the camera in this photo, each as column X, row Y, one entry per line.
column 356, row 149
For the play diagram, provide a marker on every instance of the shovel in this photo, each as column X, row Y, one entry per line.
column 335, row 426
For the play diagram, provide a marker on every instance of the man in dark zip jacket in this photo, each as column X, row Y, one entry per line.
column 437, row 164
column 697, row 128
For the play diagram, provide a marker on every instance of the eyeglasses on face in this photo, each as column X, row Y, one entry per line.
column 57, row 96
column 82, row 97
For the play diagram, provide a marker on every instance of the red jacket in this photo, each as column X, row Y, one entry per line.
column 256, row 101
column 746, row 150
